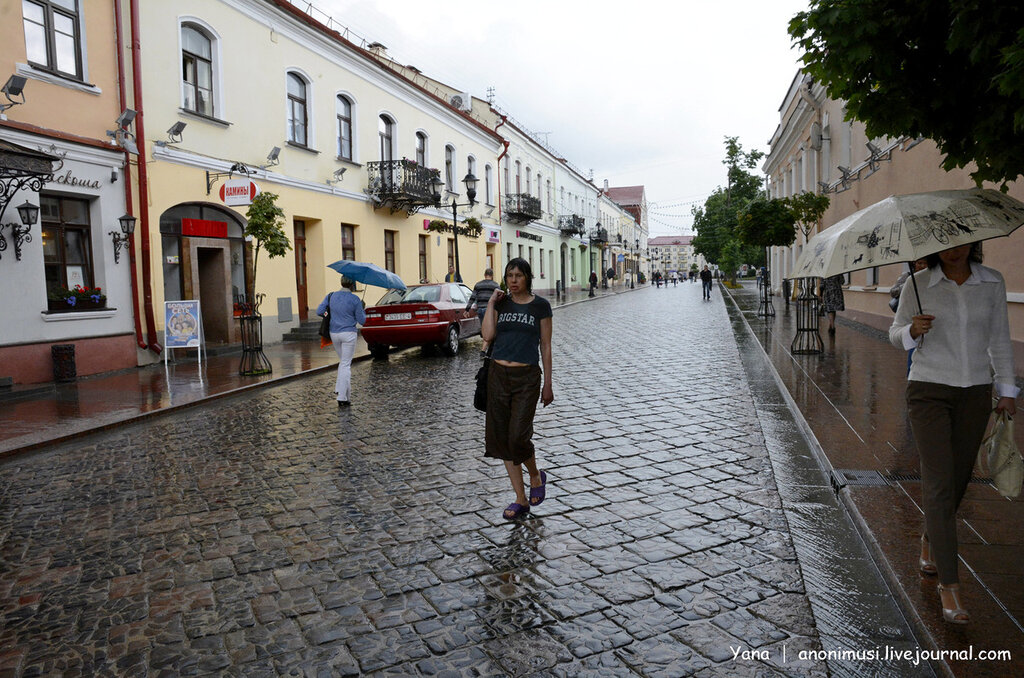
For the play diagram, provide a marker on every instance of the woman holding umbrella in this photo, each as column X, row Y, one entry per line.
column 967, row 354
column 346, row 312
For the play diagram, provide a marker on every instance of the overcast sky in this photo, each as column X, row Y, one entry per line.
column 640, row 92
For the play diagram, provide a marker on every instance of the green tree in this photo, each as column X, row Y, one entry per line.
column 265, row 226
column 948, row 70
column 807, row 210
column 716, row 221
column 766, row 223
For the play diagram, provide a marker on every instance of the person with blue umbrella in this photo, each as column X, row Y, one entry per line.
column 346, row 312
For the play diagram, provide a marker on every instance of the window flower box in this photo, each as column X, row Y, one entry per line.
column 77, row 299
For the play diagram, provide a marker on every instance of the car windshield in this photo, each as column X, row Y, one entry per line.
column 411, row 295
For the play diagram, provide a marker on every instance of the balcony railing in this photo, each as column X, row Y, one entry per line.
column 522, row 207
column 599, row 236
column 571, row 224
column 400, row 185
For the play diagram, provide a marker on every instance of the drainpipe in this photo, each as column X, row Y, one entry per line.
column 128, row 178
column 140, row 135
column 497, row 171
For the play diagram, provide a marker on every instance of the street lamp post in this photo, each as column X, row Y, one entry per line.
column 636, row 263
column 470, row 181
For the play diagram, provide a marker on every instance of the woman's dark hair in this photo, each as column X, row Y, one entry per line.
column 524, row 267
column 975, row 255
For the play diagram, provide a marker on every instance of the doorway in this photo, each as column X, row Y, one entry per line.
column 300, row 270
column 211, row 264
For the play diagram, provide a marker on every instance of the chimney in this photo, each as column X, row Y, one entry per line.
column 606, row 185
column 378, row 49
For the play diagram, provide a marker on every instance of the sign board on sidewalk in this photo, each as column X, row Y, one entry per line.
column 183, row 326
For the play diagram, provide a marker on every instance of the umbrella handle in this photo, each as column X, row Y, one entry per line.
column 917, row 297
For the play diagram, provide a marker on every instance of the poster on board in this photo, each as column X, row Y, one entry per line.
column 182, row 324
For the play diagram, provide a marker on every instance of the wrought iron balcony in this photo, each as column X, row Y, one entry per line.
column 571, row 224
column 522, row 207
column 401, row 185
column 599, row 236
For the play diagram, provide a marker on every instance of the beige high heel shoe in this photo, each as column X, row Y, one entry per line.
column 955, row 615
column 925, row 562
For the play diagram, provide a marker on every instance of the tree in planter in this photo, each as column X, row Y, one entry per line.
column 807, row 209
column 947, row 70
column 265, row 222
column 265, row 227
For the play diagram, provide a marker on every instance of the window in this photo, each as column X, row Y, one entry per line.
column 67, row 242
column 343, row 109
column 508, row 246
column 541, row 262
column 872, row 276
column 549, row 195
column 421, row 149
column 471, row 165
column 389, row 250
column 451, row 252
column 519, row 177
column 505, row 178
column 538, row 185
column 488, row 190
column 386, row 131
column 449, row 168
column 52, row 37
column 196, row 70
column 298, row 122
column 530, row 256
column 529, row 185
column 348, row 242
column 423, row 258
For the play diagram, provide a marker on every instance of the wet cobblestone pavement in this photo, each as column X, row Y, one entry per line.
column 272, row 534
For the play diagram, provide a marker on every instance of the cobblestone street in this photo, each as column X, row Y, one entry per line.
column 274, row 534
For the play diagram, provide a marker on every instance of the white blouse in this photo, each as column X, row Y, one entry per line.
column 969, row 342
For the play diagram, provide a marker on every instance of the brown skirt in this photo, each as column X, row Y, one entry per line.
column 512, row 395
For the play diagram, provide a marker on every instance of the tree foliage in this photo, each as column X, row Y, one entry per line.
column 948, row 70
column 265, row 226
column 807, row 210
column 717, row 220
column 766, row 223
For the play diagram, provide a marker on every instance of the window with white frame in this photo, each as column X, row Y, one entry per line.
column 519, row 177
column 488, row 185
column 421, row 149
column 386, row 132
column 449, row 168
column 343, row 110
column 298, row 106
column 529, row 184
column 470, row 165
column 196, row 70
column 53, row 39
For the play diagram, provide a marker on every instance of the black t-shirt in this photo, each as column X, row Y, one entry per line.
column 518, row 329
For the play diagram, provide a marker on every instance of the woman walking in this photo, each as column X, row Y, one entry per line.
column 346, row 312
column 832, row 299
column 962, row 348
column 518, row 326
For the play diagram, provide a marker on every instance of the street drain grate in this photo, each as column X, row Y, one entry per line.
column 841, row 477
column 913, row 476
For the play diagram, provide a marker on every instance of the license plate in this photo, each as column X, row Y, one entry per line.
column 398, row 316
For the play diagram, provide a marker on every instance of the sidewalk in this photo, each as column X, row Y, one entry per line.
column 852, row 399
column 39, row 414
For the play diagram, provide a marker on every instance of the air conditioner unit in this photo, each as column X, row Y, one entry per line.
column 462, row 101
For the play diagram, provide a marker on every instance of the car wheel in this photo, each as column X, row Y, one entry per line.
column 378, row 351
column 451, row 347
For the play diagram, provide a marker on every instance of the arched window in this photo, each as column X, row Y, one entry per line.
column 449, row 168
column 343, row 108
column 421, row 149
column 298, row 121
column 529, row 184
column 386, row 130
column 196, row 70
column 505, row 180
column 519, row 177
column 470, row 165
column 538, row 185
column 488, row 185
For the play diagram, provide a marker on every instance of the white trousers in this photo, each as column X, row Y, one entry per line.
column 345, row 346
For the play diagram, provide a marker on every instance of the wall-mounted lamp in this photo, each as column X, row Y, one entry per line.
column 28, row 213
column 272, row 158
column 14, row 87
column 122, row 239
column 825, row 188
column 212, row 177
column 337, row 176
column 174, row 133
column 845, row 178
column 121, row 136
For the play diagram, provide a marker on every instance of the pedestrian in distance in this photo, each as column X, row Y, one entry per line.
column 518, row 325
column 832, row 299
column 452, row 275
column 961, row 338
column 346, row 312
column 705, row 280
column 593, row 282
column 482, row 292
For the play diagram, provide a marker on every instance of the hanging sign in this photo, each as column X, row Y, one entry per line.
column 239, row 192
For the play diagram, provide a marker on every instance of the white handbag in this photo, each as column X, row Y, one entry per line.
column 1004, row 462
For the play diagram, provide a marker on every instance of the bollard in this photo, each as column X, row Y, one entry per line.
column 64, row 369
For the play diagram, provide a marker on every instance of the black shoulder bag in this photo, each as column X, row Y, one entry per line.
column 480, row 395
column 325, row 324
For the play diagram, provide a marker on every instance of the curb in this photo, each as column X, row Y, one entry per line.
column 921, row 633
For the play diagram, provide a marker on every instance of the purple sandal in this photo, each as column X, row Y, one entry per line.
column 537, row 493
column 516, row 510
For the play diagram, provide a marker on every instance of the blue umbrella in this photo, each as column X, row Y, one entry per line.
column 368, row 274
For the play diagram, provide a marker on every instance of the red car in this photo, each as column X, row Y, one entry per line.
column 422, row 315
